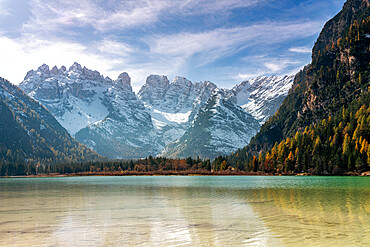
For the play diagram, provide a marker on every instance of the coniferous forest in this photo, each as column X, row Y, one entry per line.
column 323, row 125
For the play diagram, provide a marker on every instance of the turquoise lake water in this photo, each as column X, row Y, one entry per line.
column 185, row 211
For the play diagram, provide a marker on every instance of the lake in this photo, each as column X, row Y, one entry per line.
column 185, row 211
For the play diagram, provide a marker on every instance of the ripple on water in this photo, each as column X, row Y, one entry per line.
column 190, row 211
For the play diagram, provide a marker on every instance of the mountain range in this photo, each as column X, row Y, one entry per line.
column 163, row 118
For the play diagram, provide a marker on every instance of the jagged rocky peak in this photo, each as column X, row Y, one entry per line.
column 209, row 84
column 205, row 87
column 92, row 75
column 155, row 88
column 157, row 81
column 178, row 80
column 54, row 70
column 29, row 74
column 44, row 72
column 44, row 69
column 76, row 67
column 124, row 78
column 267, row 83
column 261, row 96
column 123, row 81
column 85, row 73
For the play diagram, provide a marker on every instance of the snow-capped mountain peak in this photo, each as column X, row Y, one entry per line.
column 108, row 116
column 124, row 78
column 123, row 81
column 178, row 80
column 44, row 69
column 54, row 70
column 101, row 113
column 157, row 81
column 76, row 67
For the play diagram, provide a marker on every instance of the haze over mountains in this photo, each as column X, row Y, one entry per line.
column 162, row 119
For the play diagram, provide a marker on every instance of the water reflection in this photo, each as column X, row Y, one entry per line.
column 317, row 216
column 179, row 211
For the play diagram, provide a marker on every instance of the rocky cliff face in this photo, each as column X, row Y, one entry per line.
column 219, row 127
column 335, row 28
column 127, row 131
column 173, row 105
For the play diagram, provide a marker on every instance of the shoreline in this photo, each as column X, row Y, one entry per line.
column 147, row 174
column 144, row 174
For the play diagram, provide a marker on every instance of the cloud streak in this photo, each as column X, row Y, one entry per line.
column 278, row 65
column 222, row 42
column 302, row 49
column 118, row 14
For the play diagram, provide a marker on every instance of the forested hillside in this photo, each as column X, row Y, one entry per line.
column 335, row 82
column 29, row 134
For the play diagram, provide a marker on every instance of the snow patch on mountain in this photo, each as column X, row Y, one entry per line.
column 261, row 96
column 219, row 128
column 174, row 105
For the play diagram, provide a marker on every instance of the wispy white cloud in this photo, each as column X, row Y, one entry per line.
column 192, row 7
column 115, row 48
column 277, row 65
column 118, row 14
column 52, row 16
column 301, row 49
column 217, row 43
column 27, row 53
column 243, row 77
column 267, row 65
column 131, row 14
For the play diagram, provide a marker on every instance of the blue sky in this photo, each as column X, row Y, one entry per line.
column 223, row 41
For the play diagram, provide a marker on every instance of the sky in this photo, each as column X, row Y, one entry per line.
column 223, row 41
